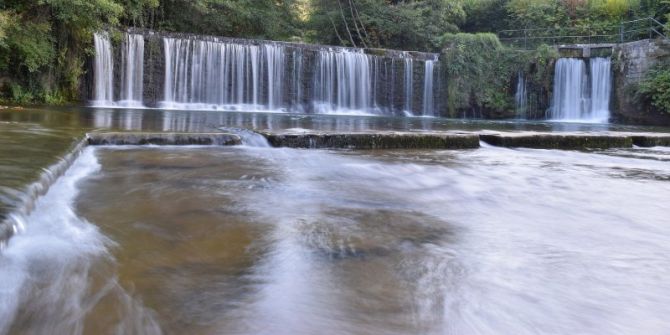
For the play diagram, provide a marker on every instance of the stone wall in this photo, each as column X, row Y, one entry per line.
column 631, row 63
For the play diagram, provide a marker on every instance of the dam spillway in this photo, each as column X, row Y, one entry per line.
column 178, row 71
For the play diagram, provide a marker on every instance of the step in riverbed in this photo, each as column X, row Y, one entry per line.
column 134, row 138
column 372, row 140
column 574, row 140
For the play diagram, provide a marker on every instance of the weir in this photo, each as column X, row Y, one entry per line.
column 178, row 71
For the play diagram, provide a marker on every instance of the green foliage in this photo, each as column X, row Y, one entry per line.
column 481, row 73
column 478, row 72
column 409, row 25
column 237, row 18
column 32, row 44
column 484, row 15
column 655, row 88
column 20, row 95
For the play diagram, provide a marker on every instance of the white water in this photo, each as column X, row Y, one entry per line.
column 601, row 88
column 574, row 99
column 217, row 74
column 428, row 101
column 521, row 97
column 343, row 83
column 103, row 71
column 222, row 76
column 409, row 84
column 46, row 270
column 132, row 60
column 132, row 72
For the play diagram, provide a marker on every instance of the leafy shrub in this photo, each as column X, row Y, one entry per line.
column 655, row 88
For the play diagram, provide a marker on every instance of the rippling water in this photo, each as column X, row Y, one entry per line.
column 248, row 240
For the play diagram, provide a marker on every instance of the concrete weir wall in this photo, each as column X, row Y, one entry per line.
column 388, row 83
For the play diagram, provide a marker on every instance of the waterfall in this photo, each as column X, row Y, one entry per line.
column 343, row 82
column 601, row 88
column 275, row 69
column 409, row 83
column 428, row 101
column 103, row 71
column 297, row 81
column 132, row 60
column 220, row 75
column 521, row 97
column 581, row 94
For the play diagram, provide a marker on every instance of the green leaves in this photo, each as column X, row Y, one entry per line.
column 33, row 44
column 655, row 88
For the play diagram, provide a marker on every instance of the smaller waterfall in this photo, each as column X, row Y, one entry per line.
column 601, row 88
column 132, row 60
column 103, row 71
column 409, row 85
column 521, row 97
column 582, row 94
column 428, row 101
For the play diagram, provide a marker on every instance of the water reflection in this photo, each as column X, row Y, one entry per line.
column 197, row 121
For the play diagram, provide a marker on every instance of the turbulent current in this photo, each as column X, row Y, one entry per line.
column 256, row 240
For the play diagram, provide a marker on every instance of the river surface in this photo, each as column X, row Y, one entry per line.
column 254, row 240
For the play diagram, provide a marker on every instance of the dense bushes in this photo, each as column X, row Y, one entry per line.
column 481, row 74
column 655, row 88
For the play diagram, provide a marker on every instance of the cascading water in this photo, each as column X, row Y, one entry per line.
column 103, row 71
column 343, row 82
column 521, row 97
column 581, row 94
column 570, row 88
column 211, row 73
column 297, row 76
column 409, row 85
column 132, row 60
column 601, row 88
column 428, row 101
column 217, row 75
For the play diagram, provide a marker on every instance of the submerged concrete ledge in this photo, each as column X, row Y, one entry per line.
column 567, row 141
column 574, row 140
column 162, row 139
column 651, row 140
column 373, row 140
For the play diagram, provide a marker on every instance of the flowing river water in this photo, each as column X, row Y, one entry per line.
column 259, row 240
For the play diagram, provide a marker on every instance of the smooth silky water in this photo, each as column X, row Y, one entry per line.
column 253, row 240
column 257, row 240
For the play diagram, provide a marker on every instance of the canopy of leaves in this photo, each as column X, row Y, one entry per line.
column 410, row 25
